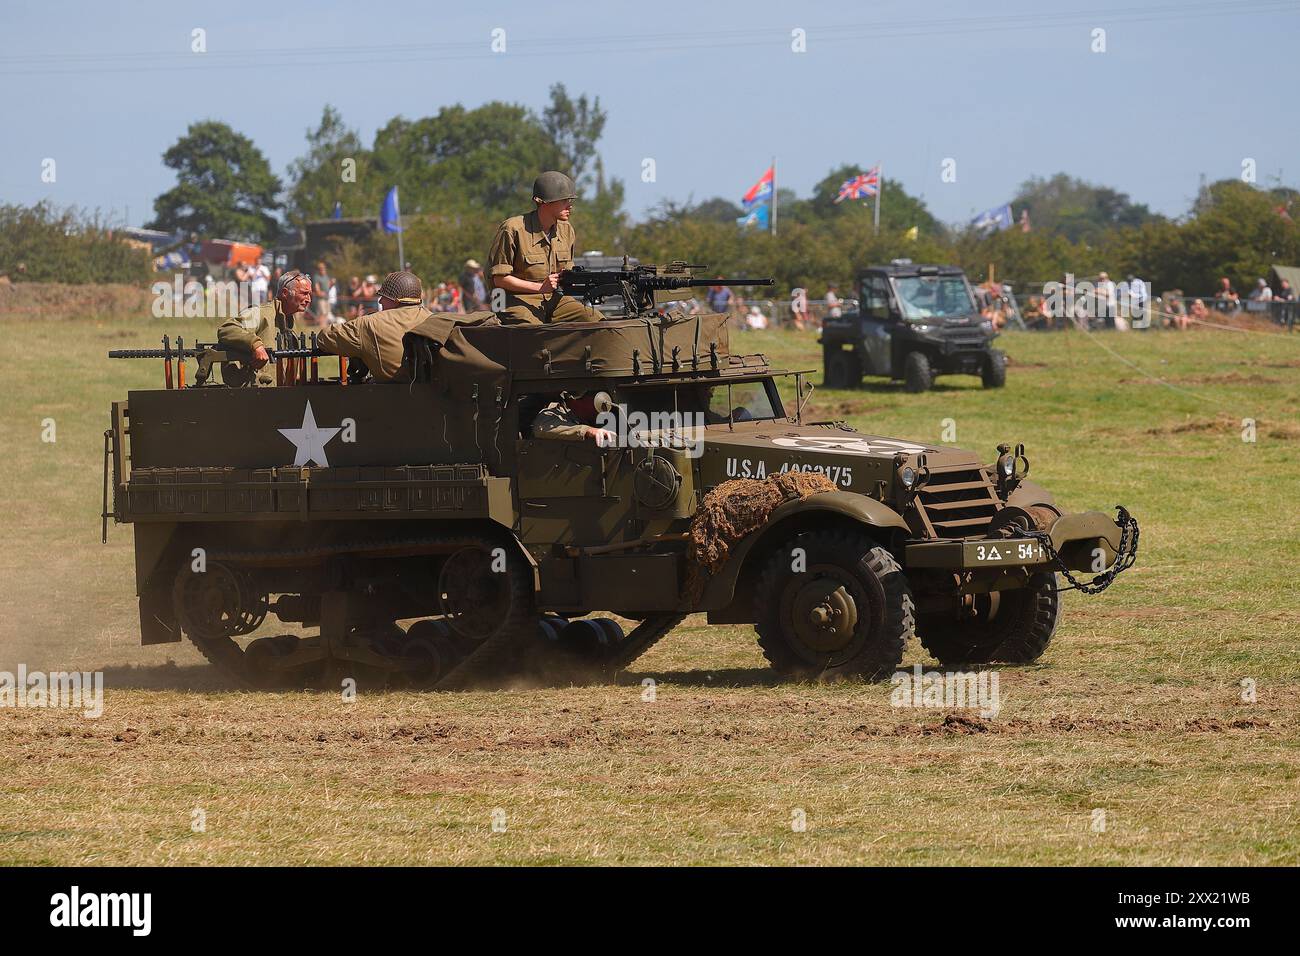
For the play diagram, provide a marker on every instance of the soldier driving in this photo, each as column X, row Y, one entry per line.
column 376, row 339
column 253, row 331
column 529, row 253
column 574, row 417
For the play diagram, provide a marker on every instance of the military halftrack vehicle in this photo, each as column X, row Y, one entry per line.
column 421, row 532
column 914, row 323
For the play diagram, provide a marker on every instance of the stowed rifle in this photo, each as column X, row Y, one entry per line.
column 290, row 357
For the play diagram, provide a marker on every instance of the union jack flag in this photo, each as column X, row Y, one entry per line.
column 861, row 187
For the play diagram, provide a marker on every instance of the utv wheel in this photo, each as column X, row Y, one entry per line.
column 994, row 374
column 917, row 376
column 1016, row 630
column 847, row 612
column 843, row 370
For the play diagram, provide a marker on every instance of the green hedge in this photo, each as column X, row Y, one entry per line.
column 66, row 245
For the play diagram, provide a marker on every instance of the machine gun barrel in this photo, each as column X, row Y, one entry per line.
column 638, row 285
column 200, row 351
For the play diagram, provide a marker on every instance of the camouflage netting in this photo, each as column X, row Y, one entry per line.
column 733, row 510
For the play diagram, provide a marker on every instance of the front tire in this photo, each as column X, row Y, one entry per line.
column 994, row 374
column 1017, row 633
column 917, row 374
column 848, row 611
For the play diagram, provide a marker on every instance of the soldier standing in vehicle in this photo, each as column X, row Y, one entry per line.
column 376, row 338
column 529, row 253
column 253, row 331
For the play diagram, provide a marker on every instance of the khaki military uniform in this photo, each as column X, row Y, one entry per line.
column 523, row 249
column 241, row 335
column 376, row 339
column 558, row 420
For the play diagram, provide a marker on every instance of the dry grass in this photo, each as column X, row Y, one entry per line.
column 1136, row 709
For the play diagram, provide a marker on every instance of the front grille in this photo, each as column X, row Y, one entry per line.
column 956, row 503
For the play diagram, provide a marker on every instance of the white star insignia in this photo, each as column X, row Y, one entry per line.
column 310, row 440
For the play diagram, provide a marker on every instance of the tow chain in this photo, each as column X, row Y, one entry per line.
column 1125, row 554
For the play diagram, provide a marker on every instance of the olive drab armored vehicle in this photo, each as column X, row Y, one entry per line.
column 913, row 323
column 421, row 532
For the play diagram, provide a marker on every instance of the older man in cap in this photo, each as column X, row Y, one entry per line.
column 376, row 339
column 529, row 253
column 254, row 330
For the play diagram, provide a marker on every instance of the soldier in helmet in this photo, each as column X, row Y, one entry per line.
column 376, row 338
column 253, row 331
column 530, row 251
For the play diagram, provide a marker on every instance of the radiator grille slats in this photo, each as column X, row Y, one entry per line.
column 958, row 503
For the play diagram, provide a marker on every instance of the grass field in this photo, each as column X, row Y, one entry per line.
column 1136, row 709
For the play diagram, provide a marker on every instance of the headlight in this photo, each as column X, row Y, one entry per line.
column 987, row 325
column 907, row 476
column 923, row 329
column 1007, row 465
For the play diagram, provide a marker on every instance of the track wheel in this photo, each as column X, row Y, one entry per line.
column 486, row 590
column 586, row 637
column 614, row 635
column 430, row 654
column 259, row 661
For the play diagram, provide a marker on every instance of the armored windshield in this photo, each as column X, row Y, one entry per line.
column 750, row 401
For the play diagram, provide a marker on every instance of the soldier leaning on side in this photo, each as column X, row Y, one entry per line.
column 574, row 417
column 529, row 253
column 376, row 338
column 253, row 331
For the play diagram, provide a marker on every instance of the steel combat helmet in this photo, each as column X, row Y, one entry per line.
column 403, row 287
column 553, row 186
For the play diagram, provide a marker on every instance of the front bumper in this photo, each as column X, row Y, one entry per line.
column 1076, row 538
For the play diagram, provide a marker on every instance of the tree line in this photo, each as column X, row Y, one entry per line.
column 461, row 171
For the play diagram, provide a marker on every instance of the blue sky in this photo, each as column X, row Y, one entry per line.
column 709, row 91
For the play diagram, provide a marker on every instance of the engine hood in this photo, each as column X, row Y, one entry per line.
column 854, row 461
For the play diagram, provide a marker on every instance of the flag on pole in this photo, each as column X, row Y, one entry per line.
column 390, row 216
column 761, row 191
column 758, row 216
column 860, row 187
column 994, row 220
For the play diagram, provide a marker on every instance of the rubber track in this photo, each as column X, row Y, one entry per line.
column 493, row 656
column 643, row 637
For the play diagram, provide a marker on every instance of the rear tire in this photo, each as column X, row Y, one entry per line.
column 994, row 374
column 917, row 374
column 1017, row 634
column 849, row 613
column 842, row 368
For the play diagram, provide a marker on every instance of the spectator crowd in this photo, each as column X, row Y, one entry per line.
column 1098, row 303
